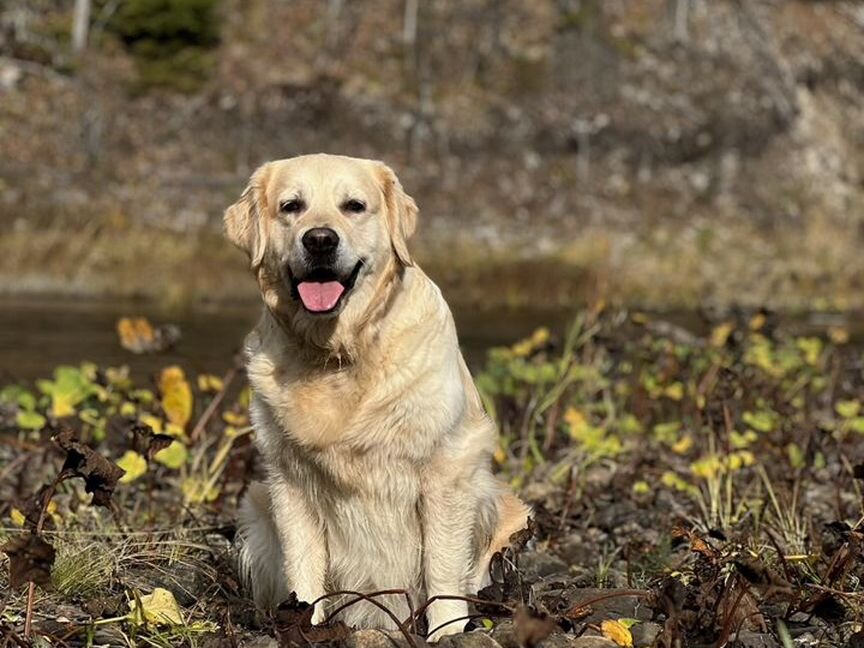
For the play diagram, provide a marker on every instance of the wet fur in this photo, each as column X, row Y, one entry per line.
column 375, row 441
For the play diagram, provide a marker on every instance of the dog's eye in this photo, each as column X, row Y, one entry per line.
column 354, row 206
column 293, row 206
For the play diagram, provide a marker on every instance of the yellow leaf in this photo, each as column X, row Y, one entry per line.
column 617, row 632
column 173, row 456
column 675, row 391
column 134, row 464
column 136, row 334
column 838, row 335
column 683, row 445
column 757, row 321
column 500, row 456
column 641, row 488
column 196, row 491
column 127, row 409
column 17, row 517
column 209, row 383
column 174, row 430
column 154, row 422
column 176, row 395
column 721, row 334
column 160, row 608
column 237, row 419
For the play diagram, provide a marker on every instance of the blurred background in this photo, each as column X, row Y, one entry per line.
column 670, row 155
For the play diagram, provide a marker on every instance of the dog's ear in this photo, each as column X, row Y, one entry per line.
column 244, row 220
column 401, row 213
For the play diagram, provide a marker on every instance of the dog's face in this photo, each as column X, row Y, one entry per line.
column 321, row 232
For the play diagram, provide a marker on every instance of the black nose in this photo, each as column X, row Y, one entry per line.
column 320, row 240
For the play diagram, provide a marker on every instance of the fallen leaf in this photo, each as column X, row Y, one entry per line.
column 30, row 560
column 159, row 608
column 617, row 632
column 294, row 629
column 100, row 475
column 133, row 464
column 176, row 395
column 174, row 456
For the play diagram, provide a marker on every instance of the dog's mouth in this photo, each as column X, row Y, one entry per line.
column 322, row 290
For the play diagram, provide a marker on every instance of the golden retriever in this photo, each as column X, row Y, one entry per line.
column 376, row 445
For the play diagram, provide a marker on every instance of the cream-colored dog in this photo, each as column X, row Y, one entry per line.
column 376, row 444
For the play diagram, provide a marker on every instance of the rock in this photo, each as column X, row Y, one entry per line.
column 754, row 640
column 260, row 642
column 536, row 565
column 592, row 642
column 645, row 633
column 505, row 635
column 476, row 639
column 369, row 639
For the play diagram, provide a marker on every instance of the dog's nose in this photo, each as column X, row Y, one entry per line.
column 320, row 240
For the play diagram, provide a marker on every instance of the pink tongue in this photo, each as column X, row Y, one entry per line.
column 320, row 297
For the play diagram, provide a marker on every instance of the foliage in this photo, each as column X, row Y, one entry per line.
column 171, row 39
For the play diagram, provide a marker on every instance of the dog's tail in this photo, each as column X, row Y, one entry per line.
column 260, row 552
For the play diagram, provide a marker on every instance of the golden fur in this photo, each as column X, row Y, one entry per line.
column 375, row 441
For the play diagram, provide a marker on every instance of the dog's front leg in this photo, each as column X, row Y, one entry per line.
column 304, row 544
column 448, row 518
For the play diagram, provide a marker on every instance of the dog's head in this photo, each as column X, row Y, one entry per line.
column 322, row 233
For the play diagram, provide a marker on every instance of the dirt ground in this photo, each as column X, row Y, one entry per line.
column 688, row 491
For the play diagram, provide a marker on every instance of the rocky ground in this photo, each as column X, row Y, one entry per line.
column 688, row 490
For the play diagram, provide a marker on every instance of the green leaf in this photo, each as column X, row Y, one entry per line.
column 30, row 420
column 848, row 409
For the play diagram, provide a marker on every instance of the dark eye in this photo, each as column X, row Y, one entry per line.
column 293, row 206
column 354, row 206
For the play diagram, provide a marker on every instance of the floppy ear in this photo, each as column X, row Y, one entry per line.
column 401, row 213
column 244, row 220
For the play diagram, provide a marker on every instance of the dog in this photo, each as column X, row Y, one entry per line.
column 376, row 445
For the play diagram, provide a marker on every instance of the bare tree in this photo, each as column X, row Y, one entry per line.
column 680, row 11
column 80, row 24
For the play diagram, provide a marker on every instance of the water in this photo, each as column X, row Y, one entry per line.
column 37, row 334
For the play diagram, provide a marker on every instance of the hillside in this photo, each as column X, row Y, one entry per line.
column 665, row 153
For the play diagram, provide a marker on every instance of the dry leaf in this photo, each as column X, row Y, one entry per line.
column 30, row 560
column 100, row 475
column 159, row 608
column 617, row 632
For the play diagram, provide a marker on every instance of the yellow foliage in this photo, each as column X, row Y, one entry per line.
column 160, row 608
column 176, row 395
column 134, row 464
column 617, row 632
column 174, row 456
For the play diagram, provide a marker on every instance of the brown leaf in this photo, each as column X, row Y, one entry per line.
column 30, row 560
column 100, row 475
column 293, row 620
column 147, row 443
column 532, row 627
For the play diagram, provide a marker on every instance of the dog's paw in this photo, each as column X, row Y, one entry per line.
column 446, row 618
column 318, row 615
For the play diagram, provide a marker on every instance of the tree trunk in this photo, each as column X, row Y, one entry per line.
column 80, row 25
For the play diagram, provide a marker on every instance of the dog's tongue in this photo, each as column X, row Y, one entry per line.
column 320, row 297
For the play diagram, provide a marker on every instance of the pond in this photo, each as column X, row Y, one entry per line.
column 39, row 333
